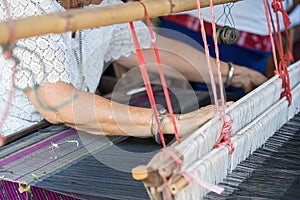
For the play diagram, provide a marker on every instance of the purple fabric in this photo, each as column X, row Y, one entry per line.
column 8, row 190
column 12, row 193
column 37, row 147
column 38, row 193
column 2, row 192
column 51, row 195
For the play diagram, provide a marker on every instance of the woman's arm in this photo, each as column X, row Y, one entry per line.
column 97, row 115
column 191, row 63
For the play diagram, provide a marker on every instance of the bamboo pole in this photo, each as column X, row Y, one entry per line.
column 178, row 184
column 76, row 19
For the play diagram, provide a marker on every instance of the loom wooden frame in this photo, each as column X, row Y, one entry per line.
column 205, row 137
column 76, row 19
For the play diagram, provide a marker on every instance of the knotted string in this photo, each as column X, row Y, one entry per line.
column 224, row 139
column 277, row 6
column 225, row 133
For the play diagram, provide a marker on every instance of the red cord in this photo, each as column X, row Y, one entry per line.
column 284, row 57
column 224, row 138
column 269, row 20
column 161, row 74
column 146, row 80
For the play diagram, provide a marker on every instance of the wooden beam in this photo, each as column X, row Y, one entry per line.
column 76, row 19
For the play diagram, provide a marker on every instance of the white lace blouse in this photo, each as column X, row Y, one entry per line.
column 57, row 57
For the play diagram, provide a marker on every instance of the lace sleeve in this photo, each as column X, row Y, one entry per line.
column 121, row 43
column 43, row 58
column 120, row 39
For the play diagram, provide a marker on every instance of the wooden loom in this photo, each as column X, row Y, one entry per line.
column 252, row 126
column 252, row 116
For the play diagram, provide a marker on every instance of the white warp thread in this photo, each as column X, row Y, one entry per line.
column 214, row 165
column 242, row 112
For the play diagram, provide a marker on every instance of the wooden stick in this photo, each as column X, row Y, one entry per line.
column 15, row 136
column 178, row 184
column 149, row 176
column 161, row 165
column 76, row 19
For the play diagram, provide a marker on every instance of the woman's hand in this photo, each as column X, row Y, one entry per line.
column 247, row 78
column 190, row 63
column 189, row 122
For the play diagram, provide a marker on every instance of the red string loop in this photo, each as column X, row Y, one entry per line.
column 224, row 138
column 289, row 56
column 277, row 7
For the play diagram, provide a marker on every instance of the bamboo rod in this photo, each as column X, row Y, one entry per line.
column 161, row 165
column 178, row 184
column 149, row 176
column 76, row 19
